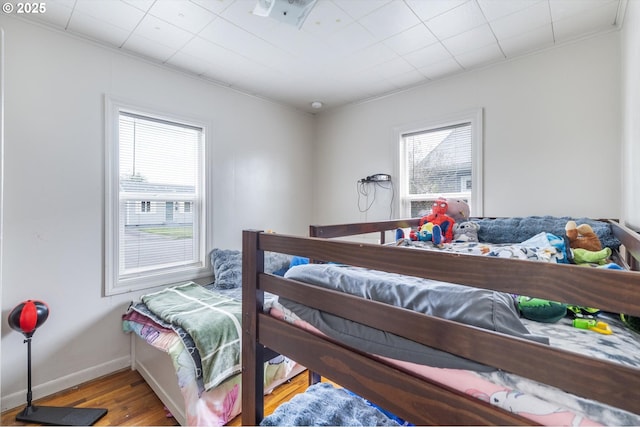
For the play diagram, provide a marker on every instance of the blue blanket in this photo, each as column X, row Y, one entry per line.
column 324, row 405
column 519, row 229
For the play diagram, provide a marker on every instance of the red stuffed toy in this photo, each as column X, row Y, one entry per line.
column 439, row 217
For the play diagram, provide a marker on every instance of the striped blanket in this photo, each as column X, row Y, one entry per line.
column 213, row 321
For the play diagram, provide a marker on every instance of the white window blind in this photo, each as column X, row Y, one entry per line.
column 156, row 220
column 159, row 165
column 440, row 161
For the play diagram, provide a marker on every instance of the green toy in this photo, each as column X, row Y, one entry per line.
column 583, row 256
column 540, row 310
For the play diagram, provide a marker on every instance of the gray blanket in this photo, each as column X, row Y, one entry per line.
column 483, row 308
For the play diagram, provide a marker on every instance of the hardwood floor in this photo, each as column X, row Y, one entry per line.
column 130, row 401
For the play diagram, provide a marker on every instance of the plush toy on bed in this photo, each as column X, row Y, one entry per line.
column 540, row 310
column 428, row 232
column 582, row 237
column 585, row 245
column 458, row 210
column 466, row 231
column 437, row 226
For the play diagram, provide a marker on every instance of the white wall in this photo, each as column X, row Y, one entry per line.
column 54, row 190
column 631, row 112
column 552, row 138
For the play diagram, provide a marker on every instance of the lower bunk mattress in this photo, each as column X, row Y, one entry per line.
column 206, row 358
column 496, row 311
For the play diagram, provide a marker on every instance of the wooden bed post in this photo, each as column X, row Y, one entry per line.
column 632, row 246
column 252, row 352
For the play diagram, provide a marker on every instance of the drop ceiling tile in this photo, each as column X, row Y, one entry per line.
column 162, row 32
column 359, row 8
column 370, row 86
column 536, row 39
column 57, row 14
column 391, row 19
column 231, row 70
column 455, row 21
column 432, row 8
column 96, row 29
column 481, row 56
column 241, row 14
column 440, row 69
column 207, row 51
column 523, row 21
column 116, row 13
column 427, row 56
column 372, row 55
column 218, row 6
column 192, row 64
column 394, row 67
column 148, row 48
column 350, row 39
column 411, row 39
column 296, row 42
column 409, row 79
column 183, row 14
column 495, row 9
column 242, row 42
column 561, row 9
column 587, row 22
column 478, row 37
column 143, row 5
column 326, row 18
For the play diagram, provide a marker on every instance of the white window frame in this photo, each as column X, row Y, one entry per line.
column 114, row 283
column 475, row 118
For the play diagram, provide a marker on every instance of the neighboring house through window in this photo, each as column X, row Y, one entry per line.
column 155, row 165
column 442, row 158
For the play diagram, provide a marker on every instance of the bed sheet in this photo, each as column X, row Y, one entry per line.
column 215, row 406
column 543, row 247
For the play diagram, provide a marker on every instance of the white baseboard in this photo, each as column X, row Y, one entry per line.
column 39, row 391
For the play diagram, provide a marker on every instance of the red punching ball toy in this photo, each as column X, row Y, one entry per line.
column 27, row 316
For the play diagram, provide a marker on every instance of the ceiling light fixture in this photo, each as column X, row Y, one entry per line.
column 316, row 105
column 292, row 12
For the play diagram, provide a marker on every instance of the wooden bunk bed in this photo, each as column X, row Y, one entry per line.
column 418, row 400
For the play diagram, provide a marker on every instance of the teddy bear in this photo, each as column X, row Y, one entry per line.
column 582, row 237
column 466, row 231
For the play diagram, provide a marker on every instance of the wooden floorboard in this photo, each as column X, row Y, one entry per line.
column 126, row 396
column 131, row 402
